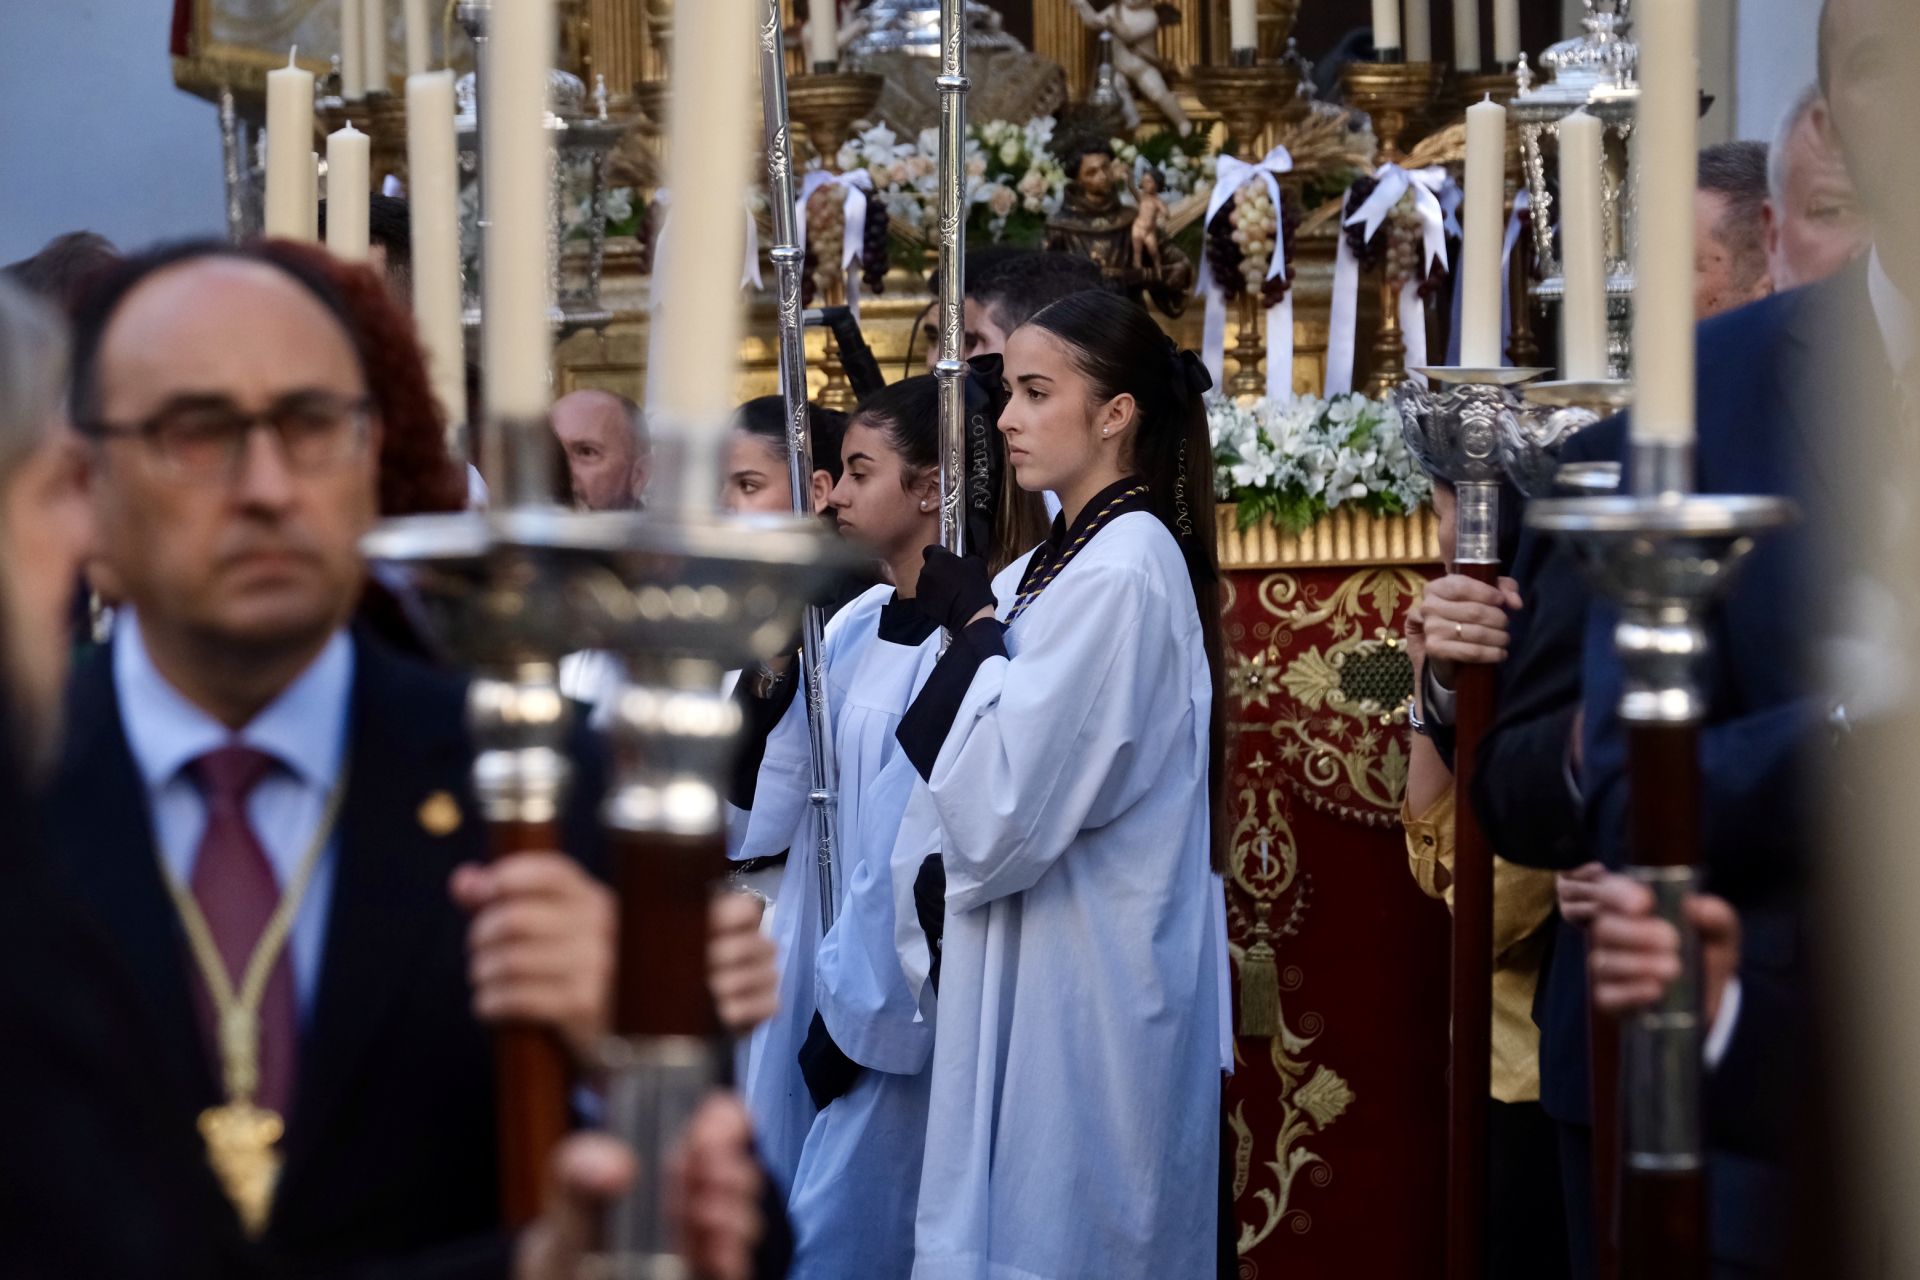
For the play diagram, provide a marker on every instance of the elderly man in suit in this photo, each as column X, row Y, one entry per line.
column 266, row 814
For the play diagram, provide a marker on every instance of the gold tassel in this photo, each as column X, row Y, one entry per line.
column 1260, row 980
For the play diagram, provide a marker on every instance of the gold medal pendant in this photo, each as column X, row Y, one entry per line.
column 240, row 1140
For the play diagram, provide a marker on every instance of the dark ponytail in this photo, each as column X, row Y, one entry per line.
column 1003, row 520
column 1119, row 349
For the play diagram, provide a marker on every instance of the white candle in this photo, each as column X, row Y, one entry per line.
column 419, row 38
column 1583, row 247
column 1386, row 24
column 517, row 168
column 353, row 51
column 289, row 142
column 707, row 171
column 349, row 162
column 1419, row 31
column 823, row 32
column 1506, row 32
column 1466, row 35
column 1666, row 161
column 1483, row 222
column 311, row 232
column 1244, row 25
column 433, row 196
column 373, row 29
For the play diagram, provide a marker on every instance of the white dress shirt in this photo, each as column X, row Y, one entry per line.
column 304, row 729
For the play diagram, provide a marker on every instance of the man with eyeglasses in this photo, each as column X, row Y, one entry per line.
column 267, row 813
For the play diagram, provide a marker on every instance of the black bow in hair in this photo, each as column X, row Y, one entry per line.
column 1190, row 371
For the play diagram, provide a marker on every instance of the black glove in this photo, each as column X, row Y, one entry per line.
column 930, row 905
column 829, row 1073
column 954, row 588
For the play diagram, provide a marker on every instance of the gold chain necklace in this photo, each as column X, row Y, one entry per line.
column 240, row 1135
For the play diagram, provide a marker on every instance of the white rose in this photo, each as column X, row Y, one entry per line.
column 1010, row 152
column 1001, row 200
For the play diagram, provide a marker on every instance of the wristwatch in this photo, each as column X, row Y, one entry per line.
column 1414, row 722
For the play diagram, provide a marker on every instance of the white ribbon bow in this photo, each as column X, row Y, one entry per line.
column 1232, row 175
column 1429, row 187
column 857, row 184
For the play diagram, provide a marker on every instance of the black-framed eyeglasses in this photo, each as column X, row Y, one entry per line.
column 205, row 440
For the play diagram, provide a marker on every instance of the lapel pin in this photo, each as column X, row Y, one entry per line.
column 440, row 814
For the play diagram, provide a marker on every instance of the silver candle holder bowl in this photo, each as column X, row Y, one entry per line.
column 1550, row 414
column 1453, row 427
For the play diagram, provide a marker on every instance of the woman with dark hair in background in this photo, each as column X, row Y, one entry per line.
column 1071, row 741
column 755, row 473
column 845, row 1009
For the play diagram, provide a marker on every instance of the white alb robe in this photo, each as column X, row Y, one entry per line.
column 1075, row 1104
column 858, row 665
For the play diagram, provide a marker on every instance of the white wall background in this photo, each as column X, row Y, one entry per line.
column 95, row 135
column 1775, row 52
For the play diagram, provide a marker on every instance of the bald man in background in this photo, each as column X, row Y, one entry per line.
column 609, row 456
column 1814, row 224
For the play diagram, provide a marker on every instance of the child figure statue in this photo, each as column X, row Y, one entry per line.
column 1149, row 224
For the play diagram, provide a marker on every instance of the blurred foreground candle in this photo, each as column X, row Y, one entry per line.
column 373, row 30
column 1419, row 31
column 1386, row 24
column 518, row 170
column 707, row 171
column 1583, row 252
column 289, row 143
column 349, row 160
column 1466, row 36
column 433, row 195
column 419, row 38
column 1483, row 221
column 1666, row 145
column 353, row 50
column 1244, row 25
column 823, row 32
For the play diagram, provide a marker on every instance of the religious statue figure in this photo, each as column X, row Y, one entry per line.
column 1150, row 223
column 1096, row 223
column 1135, row 27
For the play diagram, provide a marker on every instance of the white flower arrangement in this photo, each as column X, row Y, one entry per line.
column 1293, row 461
column 1182, row 171
column 1014, row 183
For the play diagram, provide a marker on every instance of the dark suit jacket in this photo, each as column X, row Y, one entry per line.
column 1775, row 381
column 390, row 1148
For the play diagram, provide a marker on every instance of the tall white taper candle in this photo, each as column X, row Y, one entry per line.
column 1243, row 25
column 823, row 32
column 1666, row 163
column 349, row 160
column 1419, row 31
column 353, row 50
column 707, row 171
column 419, row 37
column 1583, row 247
column 1386, row 24
column 1483, row 221
column 1506, row 32
column 1466, row 35
column 518, row 168
column 433, row 195
column 289, row 143
column 373, row 29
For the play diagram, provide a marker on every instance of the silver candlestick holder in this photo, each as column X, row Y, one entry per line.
column 1664, row 557
column 681, row 599
column 1550, row 414
column 1453, row 428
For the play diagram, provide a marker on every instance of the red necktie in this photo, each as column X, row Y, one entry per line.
column 234, row 884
